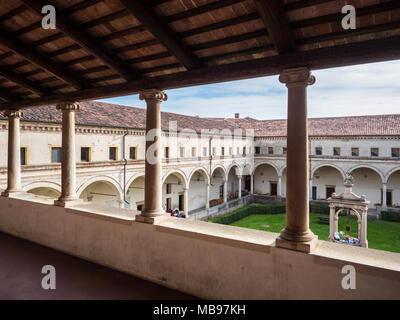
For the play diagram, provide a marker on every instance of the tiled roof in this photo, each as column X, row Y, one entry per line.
column 106, row 114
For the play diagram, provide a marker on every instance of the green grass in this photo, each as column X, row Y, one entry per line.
column 382, row 235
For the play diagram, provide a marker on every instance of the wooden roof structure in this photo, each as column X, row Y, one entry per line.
column 106, row 48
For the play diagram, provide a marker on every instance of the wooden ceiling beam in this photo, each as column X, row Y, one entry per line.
column 162, row 32
column 21, row 80
column 344, row 55
column 40, row 60
column 277, row 24
column 80, row 36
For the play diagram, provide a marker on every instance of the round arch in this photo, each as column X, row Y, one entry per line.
column 133, row 178
column 390, row 173
column 281, row 171
column 178, row 173
column 219, row 167
column 42, row 184
column 105, row 179
column 363, row 166
column 204, row 173
column 266, row 163
column 232, row 165
column 247, row 169
column 327, row 165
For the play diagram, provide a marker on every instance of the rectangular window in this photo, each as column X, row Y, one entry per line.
column 257, row 150
column 244, row 151
column 214, row 151
column 56, row 154
column 284, row 150
column 336, row 151
column 230, row 151
column 270, row 150
column 194, row 152
column 395, row 152
column 204, row 152
column 318, row 151
column 112, row 153
column 221, row 191
column 222, row 151
column 374, row 152
column 85, row 154
column 182, row 152
column 23, row 156
column 355, row 152
column 166, row 152
column 132, row 153
column 168, row 188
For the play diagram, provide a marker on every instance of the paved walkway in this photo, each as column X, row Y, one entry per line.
column 21, row 263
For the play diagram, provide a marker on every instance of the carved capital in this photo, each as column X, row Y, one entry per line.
column 14, row 114
column 68, row 105
column 297, row 77
column 153, row 95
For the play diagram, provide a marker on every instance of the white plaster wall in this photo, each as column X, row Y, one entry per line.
column 327, row 177
column 176, row 190
column 368, row 183
column 135, row 195
column 263, row 176
column 197, row 192
column 394, row 185
column 102, row 193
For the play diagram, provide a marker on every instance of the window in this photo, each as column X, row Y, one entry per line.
column 214, row 151
column 237, row 150
column 355, row 152
column 318, row 151
column 132, row 153
column 204, row 152
column 336, row 151
column 168, row 188
column 374, row 152
column 113, row 153
column 270, row 150
column 182, row 152
column 85, row 154
column 166, row 152
column 222, row 151
column 24, row 154
column 257, row 150
column 395, row 152
column 284, row 150
column 230, row 151
column 244, row 151
column 221, row 191
column 193, row 152
column 56, row 154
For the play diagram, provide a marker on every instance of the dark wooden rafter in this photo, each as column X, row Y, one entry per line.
column 80, row 36
column 7, row 96
column 22, row 81
column 343, row 55
column 162, row 32
column 276, row 22
column 41, row 60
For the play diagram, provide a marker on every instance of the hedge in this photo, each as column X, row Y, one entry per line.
column 390, row 216
column 319, row 208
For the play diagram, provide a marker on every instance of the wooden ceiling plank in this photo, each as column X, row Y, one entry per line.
column 92, row 46
column 376, row 50
column 277, row 24
column 162, row 32
column 21, row 80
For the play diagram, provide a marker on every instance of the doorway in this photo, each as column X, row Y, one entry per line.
column 274, row 188
column 181, row 202
column 329, row 191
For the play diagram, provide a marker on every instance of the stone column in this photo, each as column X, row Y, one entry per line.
column 310, row 189
column 68, row 160
column 239, row 186
column 251, row 184
column 14, row 153
column 225, row 191
column 186, row 202
column 208, row 196
column 279, row 186
column 384, row 195
column 333, row 222
column 364, row 217
column 297, row 234
column 153, row 166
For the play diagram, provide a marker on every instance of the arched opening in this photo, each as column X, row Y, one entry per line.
column 102, row 192
column 369, row 183
column 325, row 181
column 217, row 186
column 233, row 182
column 393, row 189
column 135, row 194
column 198, row 191
column 246, row 180
column 46, row 192
column 173, row 192
column 266, row 180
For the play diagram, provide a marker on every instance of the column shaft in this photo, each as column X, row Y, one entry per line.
column 14, row 153
column 207, row 196
column 251, row 184
column 239, row 186
column 297, row 193
column 225, row 191
column 186, row 202
column 384, row 195
column 279, row 186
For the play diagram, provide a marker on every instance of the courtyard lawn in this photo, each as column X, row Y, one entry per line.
column 382, row 235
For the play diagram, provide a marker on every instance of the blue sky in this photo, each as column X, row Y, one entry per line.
column 357, row 90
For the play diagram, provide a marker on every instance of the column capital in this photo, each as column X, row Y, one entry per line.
column 68, row 105
column 153, row 95
column 13, row 114
column 297, row 77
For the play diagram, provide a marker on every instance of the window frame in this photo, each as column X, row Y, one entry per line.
column 318, row 149
column 377, row 153
column 358, row 151
column 339, row 153
column 270, row 150
column 116, row 153
column 257, row 150
column 25, row 156
column 89, row 154
column 135, row 153
column 51, row 154
column 398, row 152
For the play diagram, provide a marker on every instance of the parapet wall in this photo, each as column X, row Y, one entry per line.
column 203, row 259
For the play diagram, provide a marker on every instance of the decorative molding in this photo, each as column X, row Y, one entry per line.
column 68, row 106
column 297, row 77
column 153, row 95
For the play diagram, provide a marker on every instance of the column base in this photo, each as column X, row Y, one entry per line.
column 12, row 193
column 67, row 203
column 151, row 220
column 307, row 246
